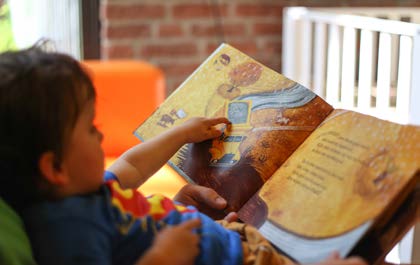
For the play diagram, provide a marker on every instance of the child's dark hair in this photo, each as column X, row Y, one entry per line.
column 41, row 97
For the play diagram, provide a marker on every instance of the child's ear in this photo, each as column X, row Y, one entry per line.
column 51, row 170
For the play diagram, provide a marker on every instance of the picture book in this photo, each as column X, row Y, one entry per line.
column 311, row 178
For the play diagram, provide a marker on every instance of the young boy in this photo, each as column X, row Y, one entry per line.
column 52, row 174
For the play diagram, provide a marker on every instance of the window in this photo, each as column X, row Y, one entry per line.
column 6, row 41
column 71, row 25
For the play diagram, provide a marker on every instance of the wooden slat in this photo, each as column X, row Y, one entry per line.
column 414, row 110
column 365, row 22
column 319, row 64
column 306, row 53
column 349, row 67
column 384, row 73
column 333, row 66
column 394, row 61
column 365, row 70
column 289, row 40
column 404, row 76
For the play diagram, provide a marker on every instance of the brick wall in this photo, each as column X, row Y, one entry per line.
column 177, row 35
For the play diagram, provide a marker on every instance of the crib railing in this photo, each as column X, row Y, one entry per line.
column 368, row 63
column 357, row 62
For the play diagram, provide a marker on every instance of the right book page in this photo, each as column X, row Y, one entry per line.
column 334, row 187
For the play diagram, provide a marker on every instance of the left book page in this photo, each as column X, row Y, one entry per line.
column 270, row 114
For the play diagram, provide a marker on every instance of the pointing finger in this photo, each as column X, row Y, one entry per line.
column 218, row 120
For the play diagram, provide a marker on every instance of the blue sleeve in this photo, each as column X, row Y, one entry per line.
column 218, row 245
column 82, row 245
column 108, row 175
column 72, row 231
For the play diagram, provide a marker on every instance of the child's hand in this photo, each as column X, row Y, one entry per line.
column 175, row 245
column 198, row 129
column 140, row 162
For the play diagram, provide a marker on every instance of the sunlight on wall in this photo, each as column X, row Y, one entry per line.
column 166, row 181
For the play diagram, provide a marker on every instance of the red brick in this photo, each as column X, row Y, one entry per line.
column 128, row 31
column 211, row 47
column 170, row 30
column 259, row 10
column 234, row 29
column 134, row 11
column 212, row 30
column 248, row 47
column 272, row 47
column 321, row 3
column 268, row 28
column 118, row 51
column 197, row 11
column 271, row 62
column 199, row 17
column 179, row 69
column 169, row 50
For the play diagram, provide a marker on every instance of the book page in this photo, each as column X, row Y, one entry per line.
column 270, row 114
column 343, row 176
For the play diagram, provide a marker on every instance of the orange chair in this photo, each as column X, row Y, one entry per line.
column 128, row 92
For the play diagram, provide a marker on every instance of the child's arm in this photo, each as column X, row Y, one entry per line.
column 175, row 245
column 137, row 164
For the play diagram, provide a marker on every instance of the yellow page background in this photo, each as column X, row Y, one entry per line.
column 275, row 117
column 342, row 176
column 198, row 96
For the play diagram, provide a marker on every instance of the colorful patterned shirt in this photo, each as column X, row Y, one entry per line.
column 116, row 226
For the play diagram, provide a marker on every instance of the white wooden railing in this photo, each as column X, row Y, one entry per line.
column 357, row 62
column 365, row 59
column 57, row 21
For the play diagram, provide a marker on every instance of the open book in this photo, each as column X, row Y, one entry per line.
column 312, row 178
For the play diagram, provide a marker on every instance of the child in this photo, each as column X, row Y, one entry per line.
column 52, row 173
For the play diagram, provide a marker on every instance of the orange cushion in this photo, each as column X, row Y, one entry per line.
column 128, row 91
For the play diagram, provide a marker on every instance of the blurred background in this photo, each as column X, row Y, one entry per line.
column 177, row 35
